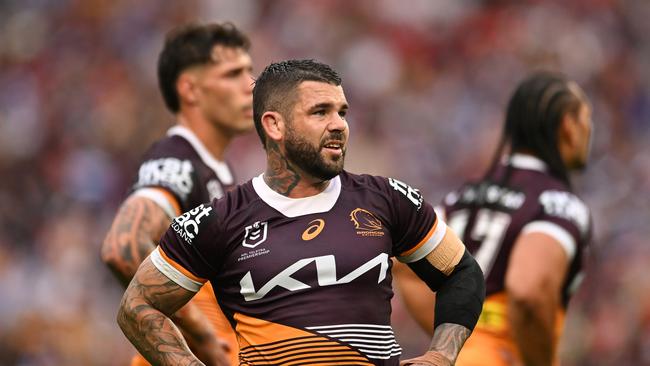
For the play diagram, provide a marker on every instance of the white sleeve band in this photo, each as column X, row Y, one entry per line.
column 428, row 246
column 440, row 212
column 172, row 273
column 555, row 231
column 159, row 198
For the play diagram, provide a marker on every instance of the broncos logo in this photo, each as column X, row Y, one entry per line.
column 366, row 223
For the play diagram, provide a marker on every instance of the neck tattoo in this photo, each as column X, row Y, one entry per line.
column 279, row 175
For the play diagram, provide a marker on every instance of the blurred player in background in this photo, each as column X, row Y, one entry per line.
column 300, row 255
column 204, row 74
column 525, row 227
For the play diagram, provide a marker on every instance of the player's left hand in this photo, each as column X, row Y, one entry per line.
column 431, row 358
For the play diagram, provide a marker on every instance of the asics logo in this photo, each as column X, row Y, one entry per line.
column 315, row 227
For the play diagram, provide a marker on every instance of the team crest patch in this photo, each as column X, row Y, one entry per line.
column 366, row 223
column 255, row 234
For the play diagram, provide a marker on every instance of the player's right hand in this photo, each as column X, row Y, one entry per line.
column 431, row 358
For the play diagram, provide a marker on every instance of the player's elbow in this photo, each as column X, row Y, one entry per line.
column 529, row 294
column 109, row 255
column 125, row 317
column 114, row 259
column 470, row 272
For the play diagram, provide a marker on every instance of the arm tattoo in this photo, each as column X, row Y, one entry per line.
column 279, row 175
column 137, row 227
column 144, row 317
column 448, row 339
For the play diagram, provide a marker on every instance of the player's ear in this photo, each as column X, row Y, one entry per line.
column 274, row 125
column 186, row 88
column 568, row 130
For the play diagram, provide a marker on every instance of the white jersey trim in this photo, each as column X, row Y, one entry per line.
column 158, row 198
column 440, row 212
column 557, row 232
column 429, row 246
column 373, row 340
column 528, row 162
column 220, row 168
column 294, row 207
column 172, row 273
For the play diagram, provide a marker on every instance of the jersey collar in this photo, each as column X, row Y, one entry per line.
column 294, row 207
column 529, row 162
column 219, row 167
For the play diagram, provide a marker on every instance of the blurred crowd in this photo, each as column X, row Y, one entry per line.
column 427, row 82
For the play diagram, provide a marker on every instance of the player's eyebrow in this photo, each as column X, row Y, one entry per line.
column 238, row 70
column 328, row 106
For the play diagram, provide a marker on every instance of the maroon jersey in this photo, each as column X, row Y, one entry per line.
column 307, row 280
column 178, row 173
column 489, row 215
column 180, row 165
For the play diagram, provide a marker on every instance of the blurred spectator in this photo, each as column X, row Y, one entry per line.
column 427, row 81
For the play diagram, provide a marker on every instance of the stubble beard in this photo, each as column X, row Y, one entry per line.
column 309, row 158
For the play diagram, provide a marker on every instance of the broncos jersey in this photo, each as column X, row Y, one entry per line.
column 304, row 281
column 181, row 169
column 490, row 214
column 178, row 173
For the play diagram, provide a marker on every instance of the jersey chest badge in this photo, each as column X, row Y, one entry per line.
column 366, row 223
column 255, row 234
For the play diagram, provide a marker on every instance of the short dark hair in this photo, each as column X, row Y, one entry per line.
column 533, row 117
column 191, row 45
column 275, row 87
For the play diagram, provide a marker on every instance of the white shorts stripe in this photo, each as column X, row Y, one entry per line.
column 172, row 273
column 555, row 231
column 427, row 247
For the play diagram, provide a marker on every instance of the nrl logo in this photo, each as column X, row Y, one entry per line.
column 255, row 234
column 366, row 223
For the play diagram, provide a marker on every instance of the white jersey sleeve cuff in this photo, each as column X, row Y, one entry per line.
column 159, row 198
column 172, row 273
column 440, row 212
column 428, row 246
column 557, row 232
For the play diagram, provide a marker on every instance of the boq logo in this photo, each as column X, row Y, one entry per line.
column 187, row 224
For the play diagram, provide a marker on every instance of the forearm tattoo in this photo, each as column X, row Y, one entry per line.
column 279, row 175
column 137, row 227
column 448, row 339
column 144, row 317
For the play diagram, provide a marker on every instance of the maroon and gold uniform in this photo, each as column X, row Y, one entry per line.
column 489, row 215
column 304, row 281
column 178, row 173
